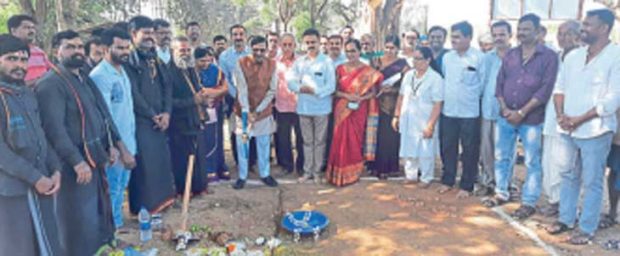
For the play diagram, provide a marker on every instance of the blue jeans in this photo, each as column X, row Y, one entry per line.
column 118, row 179
column 263, row 146
column 593, row 155
column 505, row 143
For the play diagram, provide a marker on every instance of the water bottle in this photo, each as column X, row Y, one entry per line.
column 145, row 225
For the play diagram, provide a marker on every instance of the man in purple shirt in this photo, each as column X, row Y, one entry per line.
column 524, row 84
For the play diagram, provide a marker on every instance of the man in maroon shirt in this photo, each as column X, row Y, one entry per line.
column 524, row 84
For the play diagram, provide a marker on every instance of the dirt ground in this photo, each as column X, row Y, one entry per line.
column 368, row 218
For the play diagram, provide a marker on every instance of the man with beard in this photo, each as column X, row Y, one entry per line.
column 94, row 53
column 586, row 99
column 30, row 170
column 188, row 117
column 501, row 32
column 115, row 87
column 335, row 50
column 192, row 31
column 524, row 84
column 163, row 38
column 228, row 62
column 151, row 184
column 437, row 38
column 24, row 27
column 82, row 132
column 220, row 43
column 255, row 77
column 368, row 50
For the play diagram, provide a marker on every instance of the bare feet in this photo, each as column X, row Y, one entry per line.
column 444, row 189
column 463, row 194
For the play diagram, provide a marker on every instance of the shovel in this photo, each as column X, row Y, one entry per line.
column 183, row 236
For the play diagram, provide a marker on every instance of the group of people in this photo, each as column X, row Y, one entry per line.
column 131, row 107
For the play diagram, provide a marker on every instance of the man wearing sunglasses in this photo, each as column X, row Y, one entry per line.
column 256, row 81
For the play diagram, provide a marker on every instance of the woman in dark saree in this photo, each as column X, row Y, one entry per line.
column 388, row 140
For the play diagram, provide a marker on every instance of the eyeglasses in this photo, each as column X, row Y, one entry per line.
column 258, row 50
column 287, row 44
column 350, row 51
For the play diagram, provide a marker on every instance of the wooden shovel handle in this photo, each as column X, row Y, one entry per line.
column 188, row 187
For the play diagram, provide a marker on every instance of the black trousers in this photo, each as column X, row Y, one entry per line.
column 454, row 132
column 286, row 123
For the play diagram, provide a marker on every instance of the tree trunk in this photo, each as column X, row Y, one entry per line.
column 385, row 19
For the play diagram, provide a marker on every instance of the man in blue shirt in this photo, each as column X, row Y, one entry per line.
column 312, row 78
column 115, row 87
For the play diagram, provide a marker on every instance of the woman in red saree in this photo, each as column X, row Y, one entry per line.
column 355, row 118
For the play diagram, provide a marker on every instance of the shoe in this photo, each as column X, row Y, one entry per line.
column 269, row 181
column 239, row 184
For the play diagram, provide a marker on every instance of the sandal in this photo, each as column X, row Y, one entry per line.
column 491, row 202
column 557, row 228
column 607, row 221
column 580, row 238
column 523, row 212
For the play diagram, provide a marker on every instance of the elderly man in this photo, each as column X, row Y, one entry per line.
column 586, row 99
column 256, row 81
column 29, row 169
column 568, row 39
column 286, row 116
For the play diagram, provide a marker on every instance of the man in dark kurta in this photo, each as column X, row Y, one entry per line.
column 29, row 168
column 188, row 115
column 151, row 184
column 79, row 127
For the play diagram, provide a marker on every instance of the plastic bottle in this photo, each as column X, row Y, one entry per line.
column 146, row 233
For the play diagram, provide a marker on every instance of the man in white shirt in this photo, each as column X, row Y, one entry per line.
column 313, row 79
column 463, row 68
column 586, row 97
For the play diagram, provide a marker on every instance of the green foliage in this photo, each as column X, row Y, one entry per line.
column 301, row 22
column 6, row 12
